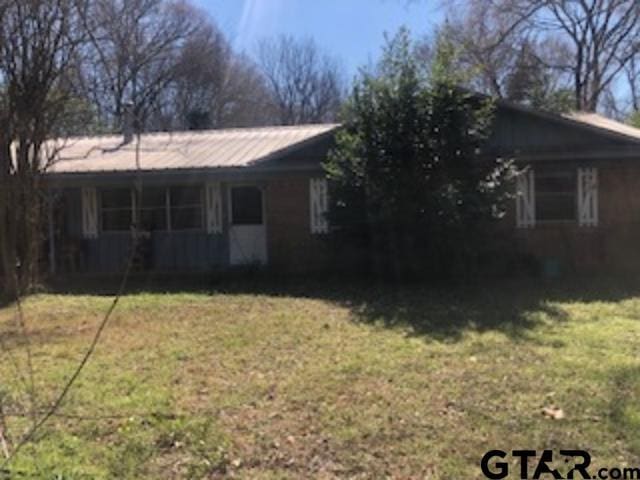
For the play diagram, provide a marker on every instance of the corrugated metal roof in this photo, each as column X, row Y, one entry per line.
column 241, row 147
column 604, row 123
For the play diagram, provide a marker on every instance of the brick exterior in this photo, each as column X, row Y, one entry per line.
column 290, row 245
column 614, row 245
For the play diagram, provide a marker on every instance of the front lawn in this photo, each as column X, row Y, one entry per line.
column 317, row 382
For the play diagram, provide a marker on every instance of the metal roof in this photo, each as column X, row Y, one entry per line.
column 604, row 123
column 241, row 147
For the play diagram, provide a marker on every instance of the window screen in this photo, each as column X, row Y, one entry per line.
column 556, row 196
column 116, row 210
column 246, row 206
column 153, row 209
column 186, row 208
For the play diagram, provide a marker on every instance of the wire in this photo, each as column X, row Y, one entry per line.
column 94, row 343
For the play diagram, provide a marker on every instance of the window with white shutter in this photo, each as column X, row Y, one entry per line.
column 556, row 195
column 89, row 212
column 319, row 202
column 588, row 197
column 525, row 199
column 214, row 208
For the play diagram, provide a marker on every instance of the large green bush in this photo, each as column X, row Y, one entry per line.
column 410, row 183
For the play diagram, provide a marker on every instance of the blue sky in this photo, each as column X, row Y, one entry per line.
column 351, row 30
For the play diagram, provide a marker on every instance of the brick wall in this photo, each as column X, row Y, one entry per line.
column 291, row 246
column 614, row 245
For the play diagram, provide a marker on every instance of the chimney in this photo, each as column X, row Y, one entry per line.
column 127, row 123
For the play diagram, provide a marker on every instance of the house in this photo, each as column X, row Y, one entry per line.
column 577, row 203
column 217, row 199
column 208, row 200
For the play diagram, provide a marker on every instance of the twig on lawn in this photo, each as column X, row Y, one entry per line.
column 4, row 444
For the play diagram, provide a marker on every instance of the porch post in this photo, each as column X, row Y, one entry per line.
column 52, row 240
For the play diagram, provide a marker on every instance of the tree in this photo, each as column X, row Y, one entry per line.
column 532, row 83
column 603, row 35
column 502, row 58
column 38, row 43
column 214, row 87
column 134, row 54
column 600, row 37
column 305, row 85
column 408, row 179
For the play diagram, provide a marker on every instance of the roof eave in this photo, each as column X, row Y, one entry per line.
column 546, row 115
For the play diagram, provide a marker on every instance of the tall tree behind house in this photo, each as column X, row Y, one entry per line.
column 214, row 87
column 305, row 84
column 588, row 44
column 135, row 58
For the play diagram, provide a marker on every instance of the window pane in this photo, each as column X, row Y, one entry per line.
column 556, row 195
column 246, row 206
column 555, row 207
column 186, row 196
column 186, row 218
column 116, row 220
column 562, row 182
column 154, row 197
column 116, row 198
column 153, row 219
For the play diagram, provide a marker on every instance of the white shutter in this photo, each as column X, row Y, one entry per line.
column 89, row 212
column 588, row 197
column 526, row 199
column 214, row 207
column 319, row 201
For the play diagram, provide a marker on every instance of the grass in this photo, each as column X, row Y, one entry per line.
column 308, row 381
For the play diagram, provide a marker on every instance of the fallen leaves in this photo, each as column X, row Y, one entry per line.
column 553, row 412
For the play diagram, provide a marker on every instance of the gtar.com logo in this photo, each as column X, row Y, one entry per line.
column 530, row 464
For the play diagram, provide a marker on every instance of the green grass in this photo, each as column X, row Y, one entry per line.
column 316, row 382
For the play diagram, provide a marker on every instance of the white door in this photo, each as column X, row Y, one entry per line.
column 247, row 233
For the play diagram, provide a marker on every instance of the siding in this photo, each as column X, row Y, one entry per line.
column 170, row 251
column 514, row 131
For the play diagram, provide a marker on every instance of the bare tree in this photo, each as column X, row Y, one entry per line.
column 38, row 41
column 604, row 37
column 501, row 56
column 134, row 53
column 306, row 85
column 601, row 37
column 214, row 87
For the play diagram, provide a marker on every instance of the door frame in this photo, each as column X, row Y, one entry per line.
column 262, row 187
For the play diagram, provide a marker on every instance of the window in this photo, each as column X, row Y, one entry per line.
column 153, row 209
column 116, row 209
column 186, row 208
column 556, row 198
column 161, row 208
column 246, row 206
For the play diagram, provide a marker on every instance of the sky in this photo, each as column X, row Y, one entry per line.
column 351, row 30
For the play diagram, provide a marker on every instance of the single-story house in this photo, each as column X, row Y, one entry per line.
column 217, row 199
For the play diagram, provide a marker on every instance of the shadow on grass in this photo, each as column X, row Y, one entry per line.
column 624, row 409
column 441, row 312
